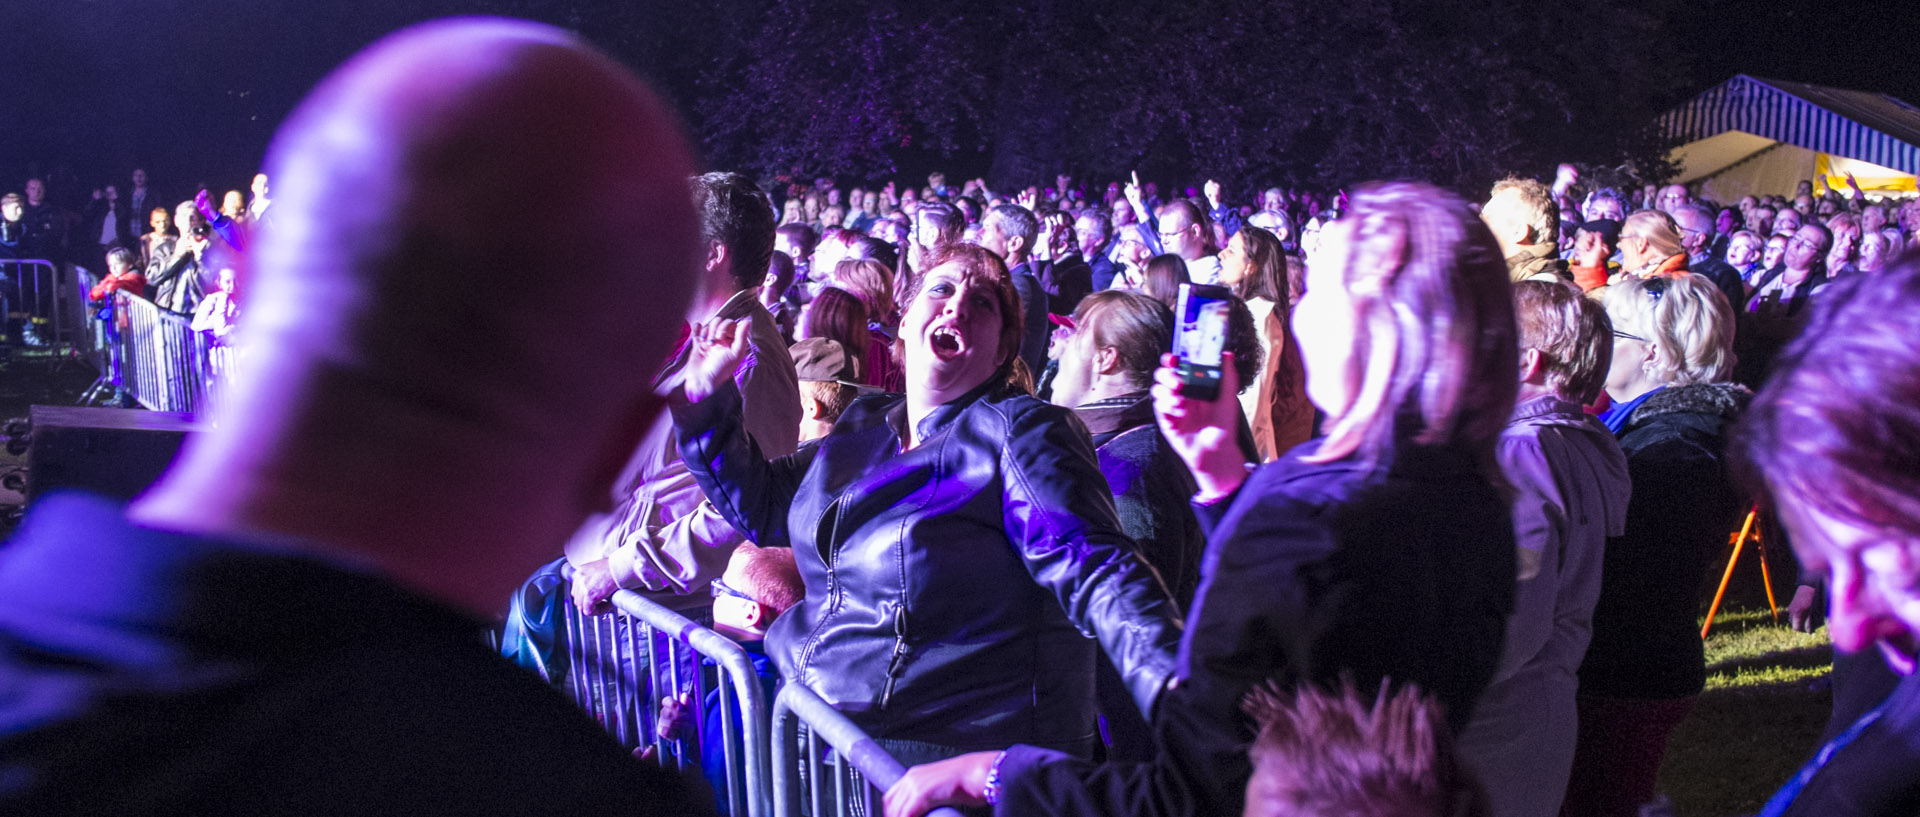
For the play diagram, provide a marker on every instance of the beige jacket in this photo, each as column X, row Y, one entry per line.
column 662, row 538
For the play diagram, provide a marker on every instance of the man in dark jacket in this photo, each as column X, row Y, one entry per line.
column 289, row 622
column 1009, row 231
column 1697, row 238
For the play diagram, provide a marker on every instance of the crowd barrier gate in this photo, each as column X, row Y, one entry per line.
column 859, row 768
column 46, row 308
column 156, row 356
column 628, row 707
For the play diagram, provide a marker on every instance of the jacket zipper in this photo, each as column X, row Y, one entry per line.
column 898, row 660
column 833, row 584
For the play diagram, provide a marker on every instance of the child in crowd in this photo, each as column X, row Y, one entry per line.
column 829, row 380
column 121, row 274
column 1323, row 753
column 758, row 585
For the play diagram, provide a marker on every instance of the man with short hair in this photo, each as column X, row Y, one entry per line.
column 1184, row 231
column 1094, row 235
column 1671, row 198
column 141, row 200
column 290, row 620
column 662, row 539
column 1696, row 238
column 1008, row 231
column 1523, row 218
column 46, row 236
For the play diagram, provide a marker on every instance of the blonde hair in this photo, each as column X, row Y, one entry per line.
column 1571, row 333
column 1659, row 229
column 1536, row 204
column 1435, row 332
column 1685, row 317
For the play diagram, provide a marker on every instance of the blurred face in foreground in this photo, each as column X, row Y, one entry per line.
column 1326, row 323
column 1873, row 581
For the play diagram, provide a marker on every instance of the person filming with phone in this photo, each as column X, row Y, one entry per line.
column 1382, row 552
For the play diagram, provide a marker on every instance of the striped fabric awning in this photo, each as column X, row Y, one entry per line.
column 1859, row 125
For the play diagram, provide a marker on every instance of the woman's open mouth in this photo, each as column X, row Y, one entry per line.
column 945, row 343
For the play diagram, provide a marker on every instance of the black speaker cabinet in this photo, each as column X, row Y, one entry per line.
column 108, row 451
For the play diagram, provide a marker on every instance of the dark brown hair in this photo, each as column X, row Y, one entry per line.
column 1267, row 262
column 1164, row 275
column 839, row 316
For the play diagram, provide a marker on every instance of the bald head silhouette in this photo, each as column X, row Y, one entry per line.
column 482, row 246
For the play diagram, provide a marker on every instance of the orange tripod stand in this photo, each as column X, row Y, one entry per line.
column 1747, row 532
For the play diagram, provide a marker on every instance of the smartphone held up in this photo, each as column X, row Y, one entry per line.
column 1200, row 338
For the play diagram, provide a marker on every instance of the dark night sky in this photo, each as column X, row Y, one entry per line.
column 193, row 88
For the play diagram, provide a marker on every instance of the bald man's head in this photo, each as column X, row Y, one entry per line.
column 404, row 248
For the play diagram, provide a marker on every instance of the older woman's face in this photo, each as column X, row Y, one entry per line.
column 1628, row 377
column 1326, row 323
column 952, row 334
column 1873, row 581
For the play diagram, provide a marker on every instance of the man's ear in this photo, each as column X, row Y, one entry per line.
column 1533, row 370
column 717, row 256
column 756, row 613
column 1016, row 245
column 1106, row 360
column 815, row 410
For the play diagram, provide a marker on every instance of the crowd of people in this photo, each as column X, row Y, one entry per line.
column 1434, row 548
column 185, row 256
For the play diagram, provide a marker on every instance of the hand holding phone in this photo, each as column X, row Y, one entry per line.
column 1200, row 338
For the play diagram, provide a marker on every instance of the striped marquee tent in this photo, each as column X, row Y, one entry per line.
column 1756, row 136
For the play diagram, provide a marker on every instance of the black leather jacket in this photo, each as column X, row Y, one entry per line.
column 951, row 589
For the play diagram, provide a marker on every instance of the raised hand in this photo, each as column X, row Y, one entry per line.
column 1212, row 189
column 1025, row 199
column 1202, row 432
column 713, row 354
column 1133, row 193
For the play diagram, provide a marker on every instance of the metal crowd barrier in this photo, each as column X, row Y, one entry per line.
column 669, row 649
column 45, row 309
column 156, row 356
column 860, row 770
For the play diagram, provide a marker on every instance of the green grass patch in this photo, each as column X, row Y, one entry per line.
column 1762, row 713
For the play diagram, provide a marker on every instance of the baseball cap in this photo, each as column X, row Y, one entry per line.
column 823, row 360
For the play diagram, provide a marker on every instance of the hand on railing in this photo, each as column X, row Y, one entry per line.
column 957, row 781
column 593, row 588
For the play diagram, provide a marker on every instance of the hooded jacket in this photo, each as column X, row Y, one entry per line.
column 1570, row 493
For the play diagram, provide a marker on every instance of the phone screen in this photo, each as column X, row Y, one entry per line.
column 1200, row 337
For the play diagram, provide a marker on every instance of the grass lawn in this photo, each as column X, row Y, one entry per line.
column 1764, row 708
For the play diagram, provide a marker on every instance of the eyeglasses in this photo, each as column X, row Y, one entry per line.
column 720, row 588
column 1628, row 336
column 1797, row 240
